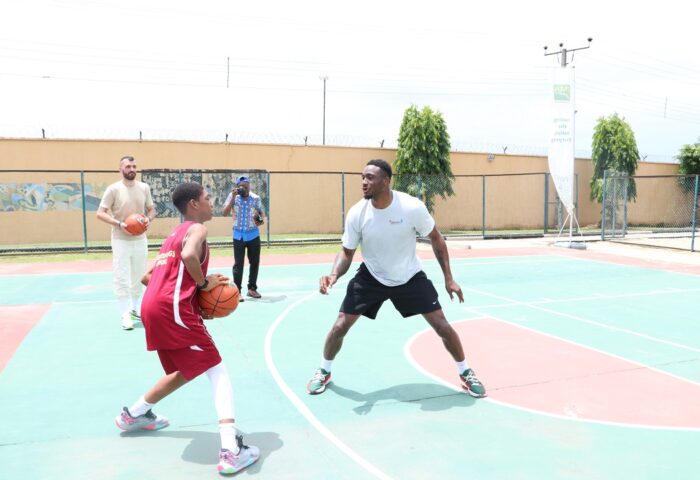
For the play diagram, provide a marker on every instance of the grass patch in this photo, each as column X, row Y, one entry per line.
column 215, row 252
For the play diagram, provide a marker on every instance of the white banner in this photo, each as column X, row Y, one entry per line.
column 561, row 138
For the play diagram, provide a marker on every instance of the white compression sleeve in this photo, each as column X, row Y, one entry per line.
column 222, row 390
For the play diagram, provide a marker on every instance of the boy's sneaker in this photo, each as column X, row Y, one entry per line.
column 127, row 322
column 147, row 421
column 230, row 463
column 472, row 384
column 135, row 316
column 318, row 382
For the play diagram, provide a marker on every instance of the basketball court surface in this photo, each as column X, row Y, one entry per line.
column 591, row 361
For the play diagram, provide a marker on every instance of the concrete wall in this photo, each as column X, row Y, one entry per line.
column 299, row 203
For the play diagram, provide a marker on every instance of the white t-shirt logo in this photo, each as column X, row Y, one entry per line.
column 396, row 222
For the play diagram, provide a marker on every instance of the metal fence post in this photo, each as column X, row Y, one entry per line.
column 613, row 217
column 576, row 210
column 695, row 212
column 82, row 193
column 269, row 202
column 602, row 220
column 624, row 220
column 483, row 205
column 342, row 202
column 546, row 201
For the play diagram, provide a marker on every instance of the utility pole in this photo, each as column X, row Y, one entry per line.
column 563, row 51
column 559, row 175
column 324, row 78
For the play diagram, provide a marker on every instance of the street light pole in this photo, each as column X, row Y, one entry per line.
column 324, row 78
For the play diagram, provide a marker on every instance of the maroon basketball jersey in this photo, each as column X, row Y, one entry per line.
column 170, row 309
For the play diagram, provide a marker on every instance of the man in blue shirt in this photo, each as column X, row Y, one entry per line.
column 248, row 215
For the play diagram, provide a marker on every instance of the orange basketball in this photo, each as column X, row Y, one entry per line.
column 136, row 223
column 220, row 301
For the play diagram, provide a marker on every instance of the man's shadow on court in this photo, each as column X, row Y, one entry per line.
column 204, row 446
column 429, row 396
column 266, row 299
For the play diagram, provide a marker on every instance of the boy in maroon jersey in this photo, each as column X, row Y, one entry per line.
column 175, row 329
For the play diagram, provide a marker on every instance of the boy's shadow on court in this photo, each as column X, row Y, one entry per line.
column 204, row 446
column 431, row 397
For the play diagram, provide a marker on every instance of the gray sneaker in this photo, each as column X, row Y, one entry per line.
column 147, row 421
column 318, row 382
column 230, row 463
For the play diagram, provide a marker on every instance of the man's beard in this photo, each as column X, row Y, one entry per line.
column 129, row 175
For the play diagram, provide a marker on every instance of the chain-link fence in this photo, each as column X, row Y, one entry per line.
column 55, row 210
column 651, row 210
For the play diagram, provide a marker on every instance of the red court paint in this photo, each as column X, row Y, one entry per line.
column 15, row 323
column 530, row 370
column 92, row 266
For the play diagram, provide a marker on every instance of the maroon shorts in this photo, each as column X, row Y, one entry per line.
column 191, row 362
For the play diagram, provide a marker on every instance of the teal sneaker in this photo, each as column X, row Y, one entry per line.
column 318, row 382
column 472, row 384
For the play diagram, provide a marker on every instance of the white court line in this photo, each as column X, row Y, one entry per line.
column 584, row 320
column 301, row 407
column 507, row 260
column 595, row 296
column 419, row 367
column 646, row 267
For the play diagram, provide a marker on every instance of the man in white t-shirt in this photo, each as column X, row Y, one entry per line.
column 385, row 224
column 129, row 252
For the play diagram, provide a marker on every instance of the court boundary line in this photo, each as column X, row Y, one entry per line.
column 597, row 296
column 584, row 320
column 301, row 407
column 582, row 345
column 643, row 263
column 411, row 360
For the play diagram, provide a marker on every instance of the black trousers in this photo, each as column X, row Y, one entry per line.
column 239, row 250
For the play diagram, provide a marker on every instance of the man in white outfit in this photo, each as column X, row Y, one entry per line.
column 385, row 224
column 129, row 252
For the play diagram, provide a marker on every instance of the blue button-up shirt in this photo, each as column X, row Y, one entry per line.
column 244, row 209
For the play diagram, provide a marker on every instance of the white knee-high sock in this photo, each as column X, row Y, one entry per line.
column 140, row 407
column 227, row 432
column 223, row 401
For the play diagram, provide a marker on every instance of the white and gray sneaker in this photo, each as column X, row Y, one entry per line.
column 127, row 322
column 147, row 421
column 230, row 463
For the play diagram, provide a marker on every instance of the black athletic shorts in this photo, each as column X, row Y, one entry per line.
column 365, row 295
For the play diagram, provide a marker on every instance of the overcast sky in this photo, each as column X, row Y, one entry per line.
column 112, row 68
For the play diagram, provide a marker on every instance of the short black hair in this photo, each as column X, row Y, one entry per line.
column 128, row 158
column 383, row 166
column 185, row 192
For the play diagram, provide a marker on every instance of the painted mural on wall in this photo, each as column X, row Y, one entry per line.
column 45, row 197
column 218, row 184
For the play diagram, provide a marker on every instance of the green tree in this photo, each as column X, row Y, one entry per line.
column 422, row 163
column 614, row 149
column 689, row 158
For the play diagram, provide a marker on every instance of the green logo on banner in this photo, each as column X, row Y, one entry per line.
column 562, row 93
